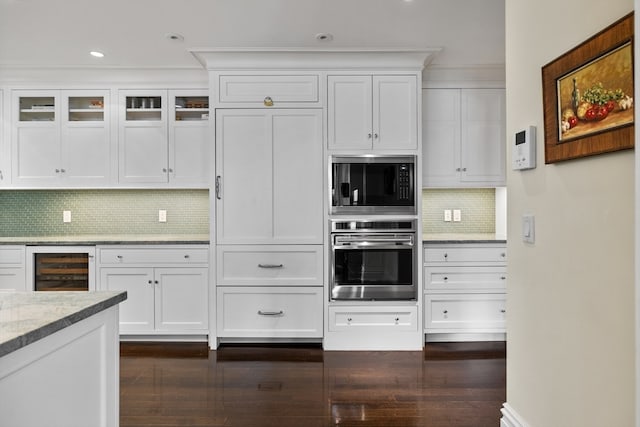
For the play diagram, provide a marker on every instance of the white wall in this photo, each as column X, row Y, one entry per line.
column 570, row 326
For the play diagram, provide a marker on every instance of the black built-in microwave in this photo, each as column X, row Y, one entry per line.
column 373, row 185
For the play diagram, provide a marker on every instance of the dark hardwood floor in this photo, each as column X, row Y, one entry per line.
column 446, row 385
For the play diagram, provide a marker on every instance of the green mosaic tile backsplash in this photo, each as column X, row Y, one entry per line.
column 103, row 212
column 478, row 206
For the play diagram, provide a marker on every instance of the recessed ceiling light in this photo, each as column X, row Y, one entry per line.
column 174, row 37
column 96, row 54
column 324, row 37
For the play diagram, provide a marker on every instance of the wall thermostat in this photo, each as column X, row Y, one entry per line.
column 523, row 155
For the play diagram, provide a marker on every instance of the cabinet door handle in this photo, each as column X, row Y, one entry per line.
column 171, row 170
column 375, row 135
column 445, row 311
column 503, row 278
column 1, row 177
column 445, row 278
column 503, row 310
column 218, row 189
column 268, row 102
column 270, row 313
column 150, row 282
column 464, row 169
column 119, row 257
column 164, row 170
column 270, row 265
column 155, row 281
column 457, row 169
column 369, row 135
column 186, row 256
column 57, row 170
column 446, row 255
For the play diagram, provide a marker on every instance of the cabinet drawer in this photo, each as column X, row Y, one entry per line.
column 465, row 313
column 370, row 318
column 281, row 89
column 12, row 256
column 465, row 254
column 447, row 279
column 269, row 312
column 269, row 265
column 154, row 256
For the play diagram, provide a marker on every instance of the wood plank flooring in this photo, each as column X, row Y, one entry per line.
column 446, row 385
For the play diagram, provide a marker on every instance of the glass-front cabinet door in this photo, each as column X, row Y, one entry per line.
column 60, row 138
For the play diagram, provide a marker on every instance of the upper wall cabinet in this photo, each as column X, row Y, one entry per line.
column 376, row 112
column 60, row 138
column 463, row 137
column 265, row 90
column 163, row 137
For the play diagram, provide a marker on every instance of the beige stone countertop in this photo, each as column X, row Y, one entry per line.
column 461, row 238
column 26, row 317
column 126, row 239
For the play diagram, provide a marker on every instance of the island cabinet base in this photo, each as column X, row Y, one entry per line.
column 67, row 379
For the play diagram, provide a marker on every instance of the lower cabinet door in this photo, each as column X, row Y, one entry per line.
column 449, row 313
column 137, row 311
column 274, row 312
column 181, row 299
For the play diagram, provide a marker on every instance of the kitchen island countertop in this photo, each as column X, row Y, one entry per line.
column 26, row 317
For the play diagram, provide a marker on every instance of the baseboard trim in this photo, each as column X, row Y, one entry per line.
column 510, row 417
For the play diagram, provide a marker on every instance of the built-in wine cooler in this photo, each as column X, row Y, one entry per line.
column 61, row 268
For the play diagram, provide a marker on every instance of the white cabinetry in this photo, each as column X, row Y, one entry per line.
column 376, row 112
column 163, row 137
column 463, row 137
column 12, row 268
column 264, row 90
column 61, row 138
column 167, row 287
column 269, row 219
column 465, row 291
column 269, row 176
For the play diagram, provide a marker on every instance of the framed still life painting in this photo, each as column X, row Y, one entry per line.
column 588, row 96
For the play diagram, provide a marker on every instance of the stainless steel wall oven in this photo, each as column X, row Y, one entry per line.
column 373, row 260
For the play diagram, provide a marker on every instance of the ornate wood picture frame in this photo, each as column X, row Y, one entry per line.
column 588, row 96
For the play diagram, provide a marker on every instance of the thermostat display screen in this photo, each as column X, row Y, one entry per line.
column 521, row 137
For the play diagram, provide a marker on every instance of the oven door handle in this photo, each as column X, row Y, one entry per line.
column 373, row 241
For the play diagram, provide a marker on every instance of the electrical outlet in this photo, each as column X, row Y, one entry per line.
column 447, row 215
column 66, row 216
column 162, row 215
column 457, row 215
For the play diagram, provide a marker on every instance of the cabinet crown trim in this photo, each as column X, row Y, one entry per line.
column 316, row 59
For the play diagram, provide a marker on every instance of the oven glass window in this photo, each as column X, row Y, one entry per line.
column 373, row 267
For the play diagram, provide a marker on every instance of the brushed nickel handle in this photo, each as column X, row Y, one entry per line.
column 268, row 102
column 270, row 313
column 218, row 188
column 270, row 265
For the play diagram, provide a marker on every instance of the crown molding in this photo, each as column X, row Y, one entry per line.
column 239, row 59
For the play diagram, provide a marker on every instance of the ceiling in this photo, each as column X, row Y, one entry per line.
column 133, row 33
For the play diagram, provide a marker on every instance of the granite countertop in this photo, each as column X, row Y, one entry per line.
column 462, row 238
column 110, row 239
column 26, row 317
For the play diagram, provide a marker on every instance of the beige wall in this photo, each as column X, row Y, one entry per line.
column 570, row 326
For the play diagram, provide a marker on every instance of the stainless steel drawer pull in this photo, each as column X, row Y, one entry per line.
column 270, row 313
column 270, row 265
column 186, row 256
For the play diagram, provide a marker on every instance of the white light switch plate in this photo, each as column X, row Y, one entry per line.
column 528, row 228
column 162, row 215
column 457, row 215
column 447, row 215
column 66, row 216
